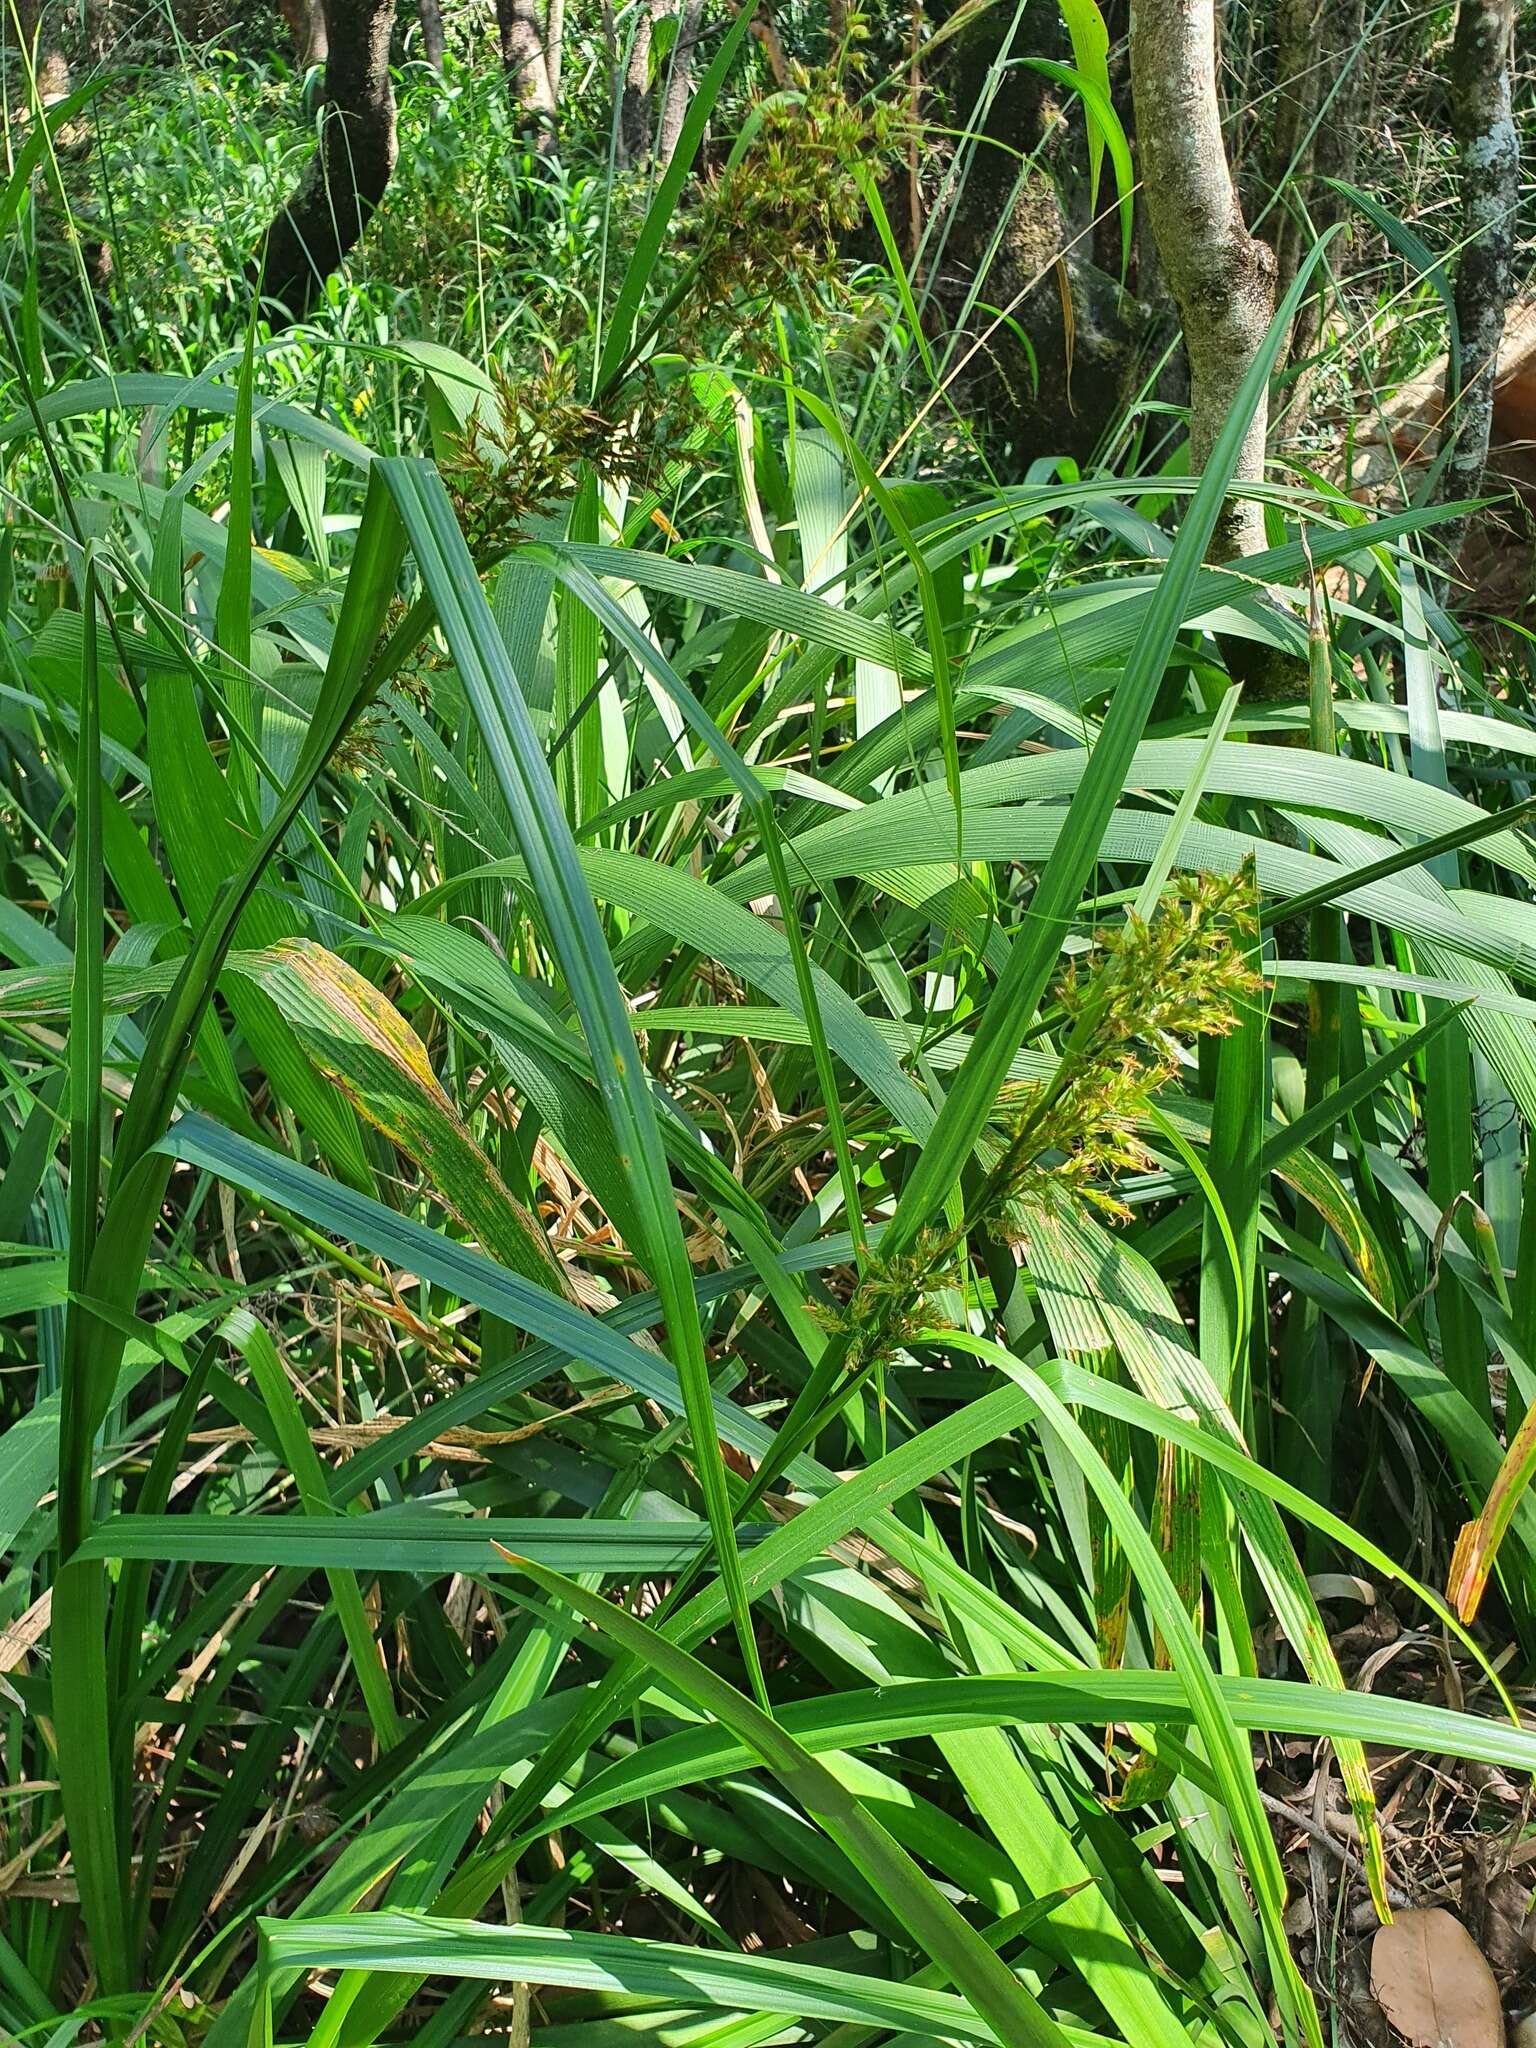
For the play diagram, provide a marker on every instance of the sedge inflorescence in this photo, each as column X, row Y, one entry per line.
column 1147, row 988
column 1132, row 1003
column 776, row 216
column 516, row 455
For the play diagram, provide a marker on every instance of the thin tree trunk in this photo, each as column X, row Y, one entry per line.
column 1350, row 57
column 39, row 25
column 999, row 230
column 433, row 41
column 674, row 105
column 554, row 51
column 307, row 25
column 1489, row 151
column 523, row 56
column 1345, row 59
column 635, row 100
column 914, row 111
column 348, row 173
column 1222, row 279
column 1298, row 85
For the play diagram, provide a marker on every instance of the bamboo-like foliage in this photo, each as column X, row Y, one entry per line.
column 692, row 1186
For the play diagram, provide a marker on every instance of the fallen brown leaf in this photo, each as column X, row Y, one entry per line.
column 1433, row 1983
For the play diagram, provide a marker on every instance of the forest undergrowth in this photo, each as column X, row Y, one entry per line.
column 767, row 1239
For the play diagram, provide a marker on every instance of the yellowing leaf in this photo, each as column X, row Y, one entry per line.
column 1317, row 1183
column 1478, row 1542
column 357, row 1039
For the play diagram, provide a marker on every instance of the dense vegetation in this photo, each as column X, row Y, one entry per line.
column 767, row 1240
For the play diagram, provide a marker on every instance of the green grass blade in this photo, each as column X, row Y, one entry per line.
column 87, row 1781
column 558, row 888
column 619, row 337
column 994, row 1993
column 417, row 1945
column 1227, row 1753
column 1017, row 994
column 271, row 1379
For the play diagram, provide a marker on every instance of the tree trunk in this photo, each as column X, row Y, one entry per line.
column 433, row 41
column 1346, row 69
column 1298, row 85
column 1489, row 151
column 525, row 61
column 347, row 175
column 1350, row 56
column 679, row 88
column 1001, row 245
column 306, row 24
column 554, row 51
column 1221, row 278
column 635, row 102
column 39, row 26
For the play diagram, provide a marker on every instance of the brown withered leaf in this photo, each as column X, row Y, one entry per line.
column 1433, row 1983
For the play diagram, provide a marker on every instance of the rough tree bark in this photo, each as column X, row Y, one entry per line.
column 1350, row 56
column 1342, row 57
column 525, row 58
column 101, row 30
column 635, row 98
column 39, row 25
column 679, row 87
column 1222, row 278
column 307, row 25
column 1489, row 150
column 433, row 41
column 347, row 175
column 1012, row 237
column 1298, row 87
